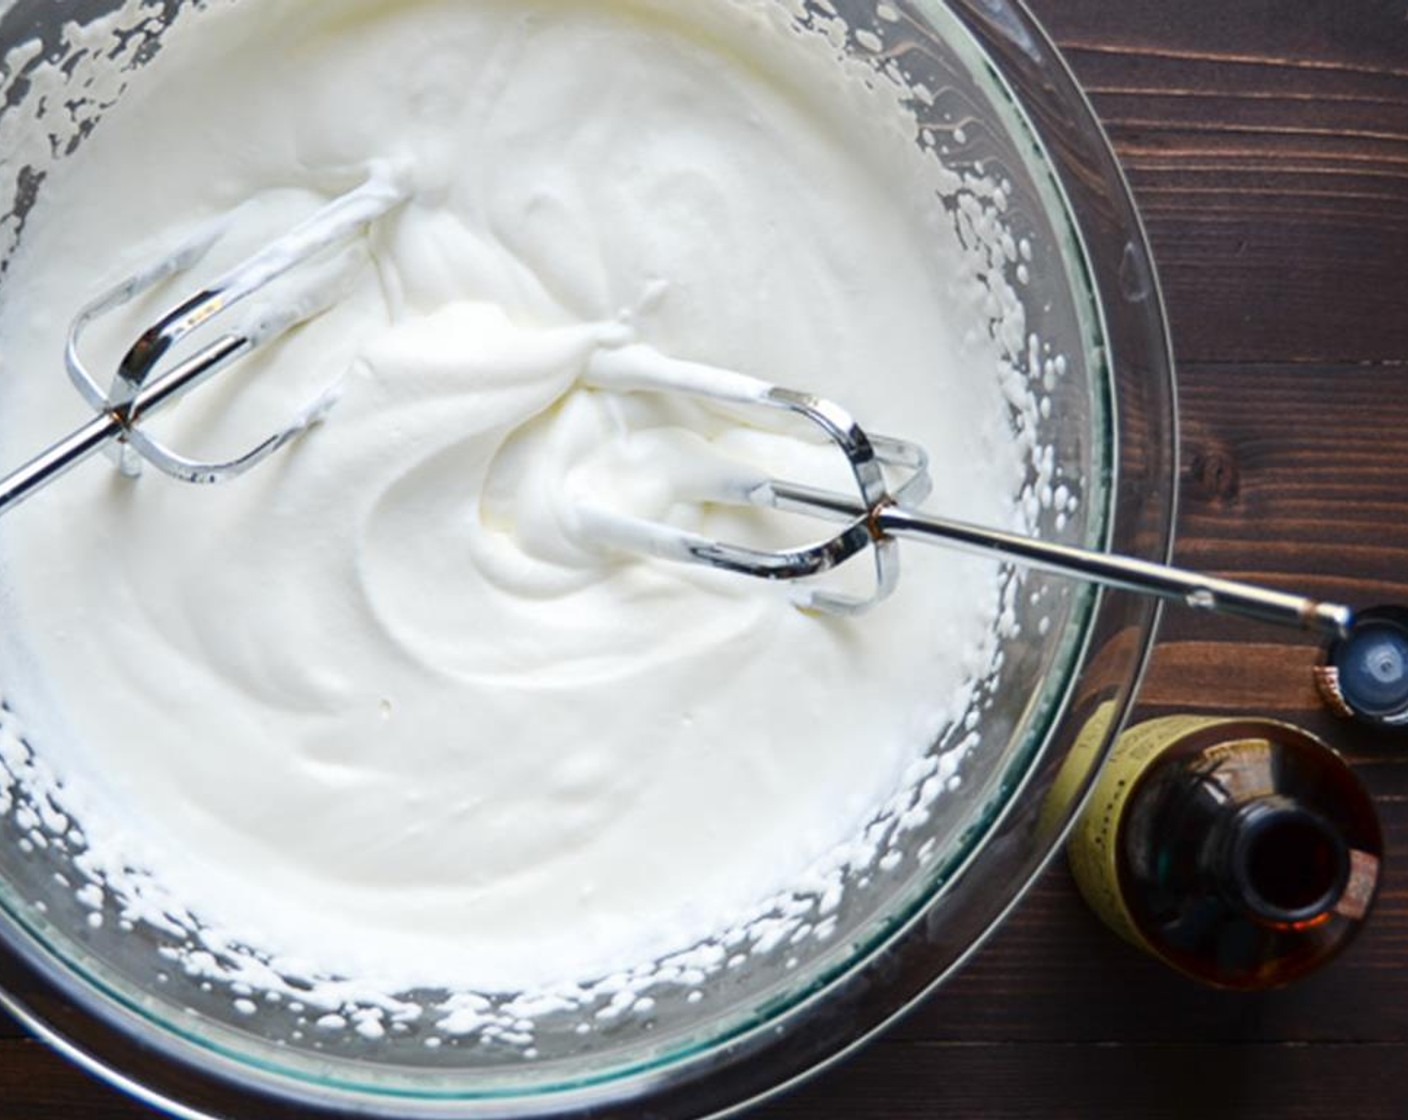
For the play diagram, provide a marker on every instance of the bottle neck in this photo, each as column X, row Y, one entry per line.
column 1278, row 861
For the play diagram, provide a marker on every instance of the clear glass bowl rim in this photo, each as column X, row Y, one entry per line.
column 120, row 1048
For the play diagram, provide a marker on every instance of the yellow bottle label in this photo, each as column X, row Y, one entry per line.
column 1093, row 849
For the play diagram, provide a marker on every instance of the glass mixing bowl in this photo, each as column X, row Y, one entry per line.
column 997, row 102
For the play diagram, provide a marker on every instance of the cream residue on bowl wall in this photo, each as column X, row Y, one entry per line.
column 371, row 722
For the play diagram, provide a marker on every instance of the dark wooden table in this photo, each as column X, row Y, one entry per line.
column 1267, row 142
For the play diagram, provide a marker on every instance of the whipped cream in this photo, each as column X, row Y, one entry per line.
column 380, row 705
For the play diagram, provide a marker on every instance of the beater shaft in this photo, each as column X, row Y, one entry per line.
column 107, row 426
column 876, row 517
column 1192, row 589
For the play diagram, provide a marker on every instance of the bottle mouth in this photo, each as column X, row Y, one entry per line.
column 1288, row 865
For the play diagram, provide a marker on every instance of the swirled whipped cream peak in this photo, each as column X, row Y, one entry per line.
column 379, row 705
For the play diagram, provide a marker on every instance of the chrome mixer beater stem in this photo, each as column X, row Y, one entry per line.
column 110, row 425
column 877, row 516
column 1192, row 589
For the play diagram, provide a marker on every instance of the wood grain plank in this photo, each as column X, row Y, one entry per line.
column 1121, row 1082
column 37, row 1084
column 1294, row 475
column 1365, row 38
column 1240, row 676
column 1267, row 145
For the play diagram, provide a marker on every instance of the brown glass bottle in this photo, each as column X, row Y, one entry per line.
column 1244, row 853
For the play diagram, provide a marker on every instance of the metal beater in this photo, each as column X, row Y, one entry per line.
column 874, row 518
column 877, row 516
column 137, row 390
